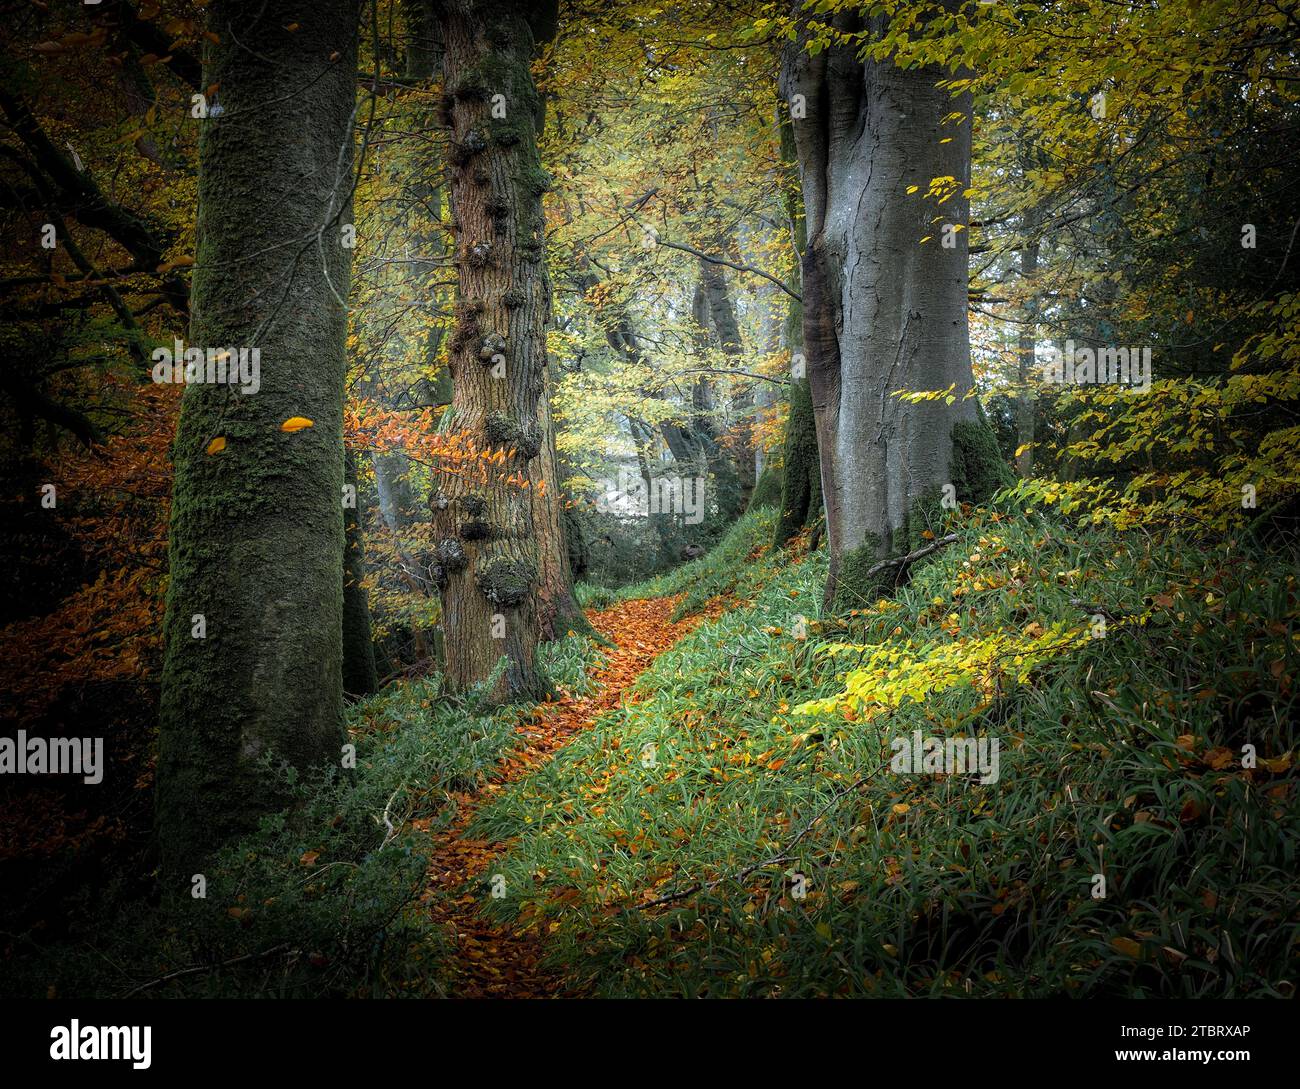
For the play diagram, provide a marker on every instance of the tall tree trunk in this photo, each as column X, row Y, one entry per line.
column 558, row 611
column 423, row 49
column 722, row 470
column 801, row 473
column 360, row 677
column 722, row 316
column 253, row 657
column 885, row 298
column 487, row 531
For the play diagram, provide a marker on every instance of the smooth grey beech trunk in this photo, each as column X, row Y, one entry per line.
column 884, row 299
column 257, row 540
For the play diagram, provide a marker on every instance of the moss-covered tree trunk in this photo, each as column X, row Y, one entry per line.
column 885, row 300
column 801, row 473
column 253, row 655
column 486, row 529
column 360, row 677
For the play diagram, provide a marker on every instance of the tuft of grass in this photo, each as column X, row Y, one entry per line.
column 570, row 662
column 591, row 596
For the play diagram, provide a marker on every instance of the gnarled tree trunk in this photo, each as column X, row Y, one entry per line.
column 487, row 540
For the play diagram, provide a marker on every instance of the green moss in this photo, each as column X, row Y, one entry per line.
column 534, row 179
column 977, row 469
column 256, row 541
column 801, row 480
column 505, row 582
column 767, row 492
column 500, row 429
column 926, row 514
column 854, row 587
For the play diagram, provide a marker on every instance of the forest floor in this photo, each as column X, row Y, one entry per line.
column 696, row 812
column 494, row 959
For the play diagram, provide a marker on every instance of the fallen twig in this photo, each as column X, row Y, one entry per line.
column 207, row 968
column 1093, row 609
column 911, row 557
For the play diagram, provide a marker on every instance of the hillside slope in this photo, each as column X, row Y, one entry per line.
column 712, row 839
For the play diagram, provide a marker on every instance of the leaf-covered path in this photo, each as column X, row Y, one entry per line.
column 490, row 960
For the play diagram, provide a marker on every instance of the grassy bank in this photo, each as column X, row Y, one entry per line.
column 1123, row 849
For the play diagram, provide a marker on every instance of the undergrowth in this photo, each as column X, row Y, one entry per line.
column 324, row 898
column 1122, row 850
column 728, row 570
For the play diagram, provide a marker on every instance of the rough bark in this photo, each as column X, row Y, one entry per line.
column 486, row 529
column 883, row 309
column 256, row 539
